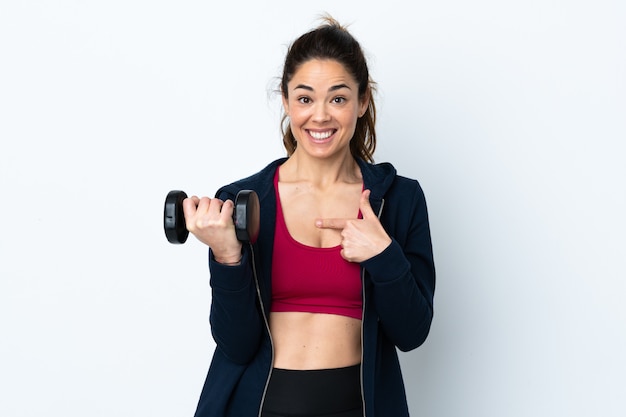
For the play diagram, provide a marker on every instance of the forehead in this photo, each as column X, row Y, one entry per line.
column 320, row 73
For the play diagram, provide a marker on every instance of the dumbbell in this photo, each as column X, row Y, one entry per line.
column 245, row 217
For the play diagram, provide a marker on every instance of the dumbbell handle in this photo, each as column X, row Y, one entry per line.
column 245, row 216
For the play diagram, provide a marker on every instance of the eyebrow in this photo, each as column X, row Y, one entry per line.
column 333, row 88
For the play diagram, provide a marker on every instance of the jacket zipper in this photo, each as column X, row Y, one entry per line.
column 380, row 212
column 267, row 327
column 362, row 328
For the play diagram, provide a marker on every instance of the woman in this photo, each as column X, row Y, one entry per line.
column 307, row 320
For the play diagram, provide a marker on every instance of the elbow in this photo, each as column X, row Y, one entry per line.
column 237, row 340
column 416, row 335
column 240, row 352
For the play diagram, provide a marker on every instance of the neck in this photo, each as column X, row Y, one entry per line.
column 301, row 167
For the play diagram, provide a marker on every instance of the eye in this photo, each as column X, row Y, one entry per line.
column 339, row 100
column 304, row 100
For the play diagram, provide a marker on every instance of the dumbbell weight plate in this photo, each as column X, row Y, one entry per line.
column 246, row 216
column 174, row 219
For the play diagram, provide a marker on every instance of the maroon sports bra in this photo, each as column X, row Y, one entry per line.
column 310, row 279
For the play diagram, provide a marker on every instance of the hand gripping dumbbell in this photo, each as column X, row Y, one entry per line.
column 245, row 217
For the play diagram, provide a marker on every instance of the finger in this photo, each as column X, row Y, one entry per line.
column 227, row 209
column 190, row 206
column 204, row 205
column 338, row 224
column 214, row 207
column 365, row 206
column 343, row 254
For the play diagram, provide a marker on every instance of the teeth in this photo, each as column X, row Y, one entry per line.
column 321, row 135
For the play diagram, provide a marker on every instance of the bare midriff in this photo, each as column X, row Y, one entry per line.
column 306, row 340
column 314, row 340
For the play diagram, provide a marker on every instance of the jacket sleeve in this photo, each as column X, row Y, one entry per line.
column 235, row 318
column 403, row 275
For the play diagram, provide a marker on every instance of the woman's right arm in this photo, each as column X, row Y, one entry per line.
column 235, row 320
column 236, row 323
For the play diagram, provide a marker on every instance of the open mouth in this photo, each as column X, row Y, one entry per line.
column 322, row 135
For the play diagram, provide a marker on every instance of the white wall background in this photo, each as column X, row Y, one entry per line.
column 512, row 114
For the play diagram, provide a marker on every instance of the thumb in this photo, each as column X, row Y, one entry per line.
column 227, row 209
column 366, row 208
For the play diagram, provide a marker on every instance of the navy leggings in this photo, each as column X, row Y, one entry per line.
column 314, row 393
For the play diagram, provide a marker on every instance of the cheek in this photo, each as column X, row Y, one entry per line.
column 295, row 123
column 294, row 120
column 351, row 118
column 297, row 116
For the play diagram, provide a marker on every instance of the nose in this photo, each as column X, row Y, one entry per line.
column 321, row 113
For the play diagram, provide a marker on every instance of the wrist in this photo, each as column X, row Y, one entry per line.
column 229, row 261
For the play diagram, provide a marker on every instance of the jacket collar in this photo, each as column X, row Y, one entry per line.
column 377, row 178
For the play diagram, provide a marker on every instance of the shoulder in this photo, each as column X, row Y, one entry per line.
column 385, row 182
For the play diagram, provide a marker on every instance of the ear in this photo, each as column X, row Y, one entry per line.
column 364, row 102
column 285, row 103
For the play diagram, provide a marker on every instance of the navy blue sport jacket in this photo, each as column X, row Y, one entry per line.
column 398, row 289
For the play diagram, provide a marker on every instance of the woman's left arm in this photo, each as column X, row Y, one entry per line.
column 403, row 274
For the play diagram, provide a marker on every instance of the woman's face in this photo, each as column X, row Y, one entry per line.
column 323, row 107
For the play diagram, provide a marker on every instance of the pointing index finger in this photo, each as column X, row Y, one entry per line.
column 338, row 224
